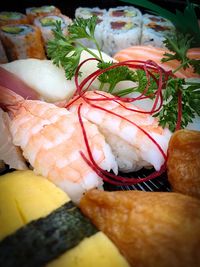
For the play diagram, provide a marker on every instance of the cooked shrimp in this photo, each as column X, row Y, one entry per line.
column 128, row 132
column 51, row 140
column 156, row 54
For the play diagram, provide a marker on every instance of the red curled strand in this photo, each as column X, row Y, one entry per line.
column 150, row 68
column 106, row 176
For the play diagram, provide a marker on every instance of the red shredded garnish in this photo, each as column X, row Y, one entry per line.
column 109, row 177
column 178, row 124
column 150, row 68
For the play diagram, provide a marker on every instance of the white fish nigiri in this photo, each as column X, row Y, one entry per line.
column 43, row 77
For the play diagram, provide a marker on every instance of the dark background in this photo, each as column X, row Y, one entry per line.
column 68, row 6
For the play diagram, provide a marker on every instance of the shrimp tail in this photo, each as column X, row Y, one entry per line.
column 8, row 98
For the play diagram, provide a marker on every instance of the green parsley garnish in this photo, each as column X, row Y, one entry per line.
column 179, row 45
column 190, row 103
column 114, row 76
column 65, row 51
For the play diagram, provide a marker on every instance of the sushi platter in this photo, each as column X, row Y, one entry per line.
column 100, row 134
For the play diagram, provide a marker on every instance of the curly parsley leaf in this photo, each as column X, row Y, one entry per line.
column 83, row 28
column 141, row 78
column 114, row 76
column 190, row 103
column 179, row 45
column 66, row 50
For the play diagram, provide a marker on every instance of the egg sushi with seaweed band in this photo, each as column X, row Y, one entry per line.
column 9, row 17
column 40, row 226
column 22, row 41
column 33, row 12
column 47, row 24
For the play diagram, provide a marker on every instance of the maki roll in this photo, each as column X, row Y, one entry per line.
column 12, row 18
column 3, row 57
column 155, row 29
column 22, row 41
column 47, row 23
column 126, row 12
column 40, row 226
column 120, row 34
column 33, row 12
column 85, row 13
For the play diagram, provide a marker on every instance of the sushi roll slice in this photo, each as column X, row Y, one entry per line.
column 47, row 23
column 33, row 12
column 22, row 41
column 9, row 17
column 120, row 34
column 126, row 12
column 40, row 226
column 3, row 57
column 155, row 29
column 85, row 13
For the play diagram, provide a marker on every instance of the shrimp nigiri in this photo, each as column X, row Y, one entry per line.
column 52, row 141
column 132, row 135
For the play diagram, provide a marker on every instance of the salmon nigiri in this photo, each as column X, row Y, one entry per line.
column 156, row 54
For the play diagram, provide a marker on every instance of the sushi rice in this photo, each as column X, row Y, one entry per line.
column 124, row 26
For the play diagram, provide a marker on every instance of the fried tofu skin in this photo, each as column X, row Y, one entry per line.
column 183, row 163
column 151, row 229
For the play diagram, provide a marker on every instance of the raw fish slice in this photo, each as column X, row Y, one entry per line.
column 156, row 54
column 39, row 77
column 14, row 83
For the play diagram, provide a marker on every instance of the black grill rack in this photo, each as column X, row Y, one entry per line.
column 159, row 184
